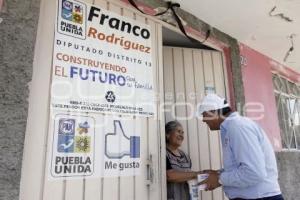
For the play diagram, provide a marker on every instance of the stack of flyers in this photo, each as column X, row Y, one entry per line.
column 202, row 177
column 194, row 186
column 194, row 190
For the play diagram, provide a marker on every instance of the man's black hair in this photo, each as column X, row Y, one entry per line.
column 224, row 111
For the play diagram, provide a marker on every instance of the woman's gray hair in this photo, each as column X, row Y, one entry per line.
column 171, row 126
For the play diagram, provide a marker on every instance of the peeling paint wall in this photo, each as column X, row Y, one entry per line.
column 17, row 39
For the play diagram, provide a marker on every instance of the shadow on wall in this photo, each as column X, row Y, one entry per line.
column 289, row 173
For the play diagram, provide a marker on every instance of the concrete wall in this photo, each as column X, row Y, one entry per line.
column 289, row 170
column 17, row 39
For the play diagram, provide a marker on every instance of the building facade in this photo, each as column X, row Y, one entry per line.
column 34, row 54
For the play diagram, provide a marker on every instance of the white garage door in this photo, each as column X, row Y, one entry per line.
column 189, row 74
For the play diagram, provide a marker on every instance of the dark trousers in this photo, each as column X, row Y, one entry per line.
column 277, row 197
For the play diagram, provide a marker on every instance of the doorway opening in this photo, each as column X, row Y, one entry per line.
column 192, row 70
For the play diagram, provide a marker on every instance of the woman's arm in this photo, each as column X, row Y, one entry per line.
column 178, row 176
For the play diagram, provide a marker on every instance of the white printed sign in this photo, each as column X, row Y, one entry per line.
column 93, row 146
column 102, row 62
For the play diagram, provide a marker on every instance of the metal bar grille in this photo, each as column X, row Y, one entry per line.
column 287, row 95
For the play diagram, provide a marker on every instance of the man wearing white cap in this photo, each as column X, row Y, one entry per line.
column 250, row 169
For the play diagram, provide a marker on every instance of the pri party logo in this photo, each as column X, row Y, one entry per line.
column 72, row 139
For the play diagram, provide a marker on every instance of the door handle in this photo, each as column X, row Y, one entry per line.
column 150, row 171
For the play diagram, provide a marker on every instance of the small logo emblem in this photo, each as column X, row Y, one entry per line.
column 72, row 19
column 66, row 126
column 65, row 143
column 67, row 8
column 83, row 144
column 83, row 128
column 72, row 12
column 110, row 96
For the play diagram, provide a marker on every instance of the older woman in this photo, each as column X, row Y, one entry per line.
column 178, row 163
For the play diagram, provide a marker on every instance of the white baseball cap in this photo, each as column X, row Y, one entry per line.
column 212, row 102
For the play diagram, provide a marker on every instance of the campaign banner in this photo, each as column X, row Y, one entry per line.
column 93, row 146
column 102, row 62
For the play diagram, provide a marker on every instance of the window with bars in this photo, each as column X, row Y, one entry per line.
column 287, row 95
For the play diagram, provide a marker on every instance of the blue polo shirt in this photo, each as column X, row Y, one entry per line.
column 250, row 169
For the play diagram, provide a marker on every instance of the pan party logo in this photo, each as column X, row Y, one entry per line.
column 71, row 19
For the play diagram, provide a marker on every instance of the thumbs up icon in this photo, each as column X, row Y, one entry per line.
column 128, row 146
